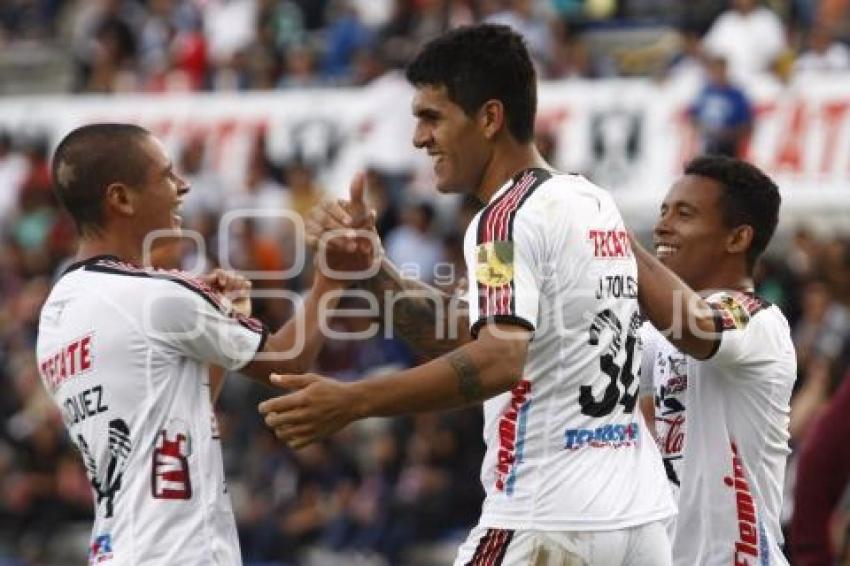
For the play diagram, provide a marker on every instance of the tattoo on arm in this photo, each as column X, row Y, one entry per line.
column 468, row 381
column 415, row 317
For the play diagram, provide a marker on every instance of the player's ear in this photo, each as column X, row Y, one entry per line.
column 120, row 199
column 740, row 239
column 491, row 118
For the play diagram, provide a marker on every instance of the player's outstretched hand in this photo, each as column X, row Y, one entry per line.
column 343, row 232
column 232, row 285
column 316, row 408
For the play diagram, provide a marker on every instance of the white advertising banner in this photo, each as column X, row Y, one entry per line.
column 630, row 136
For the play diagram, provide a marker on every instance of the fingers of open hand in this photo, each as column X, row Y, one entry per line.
column 298, row 443
column 295, row 417
column 295, row 434
column 281, row 404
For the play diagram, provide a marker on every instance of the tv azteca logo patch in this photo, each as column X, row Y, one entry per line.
column 609, row 435
column 170, row 472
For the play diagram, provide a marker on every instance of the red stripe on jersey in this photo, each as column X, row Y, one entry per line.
column 483, row 542
column 250, row 323
column 193, row 282
column 188, row 281
column 493, row 550
column 196, row 284
column 501, row 548
column 486, row 548
column 497, row 228
column 492, row 553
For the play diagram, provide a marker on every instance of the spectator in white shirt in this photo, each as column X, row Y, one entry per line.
column 822, row 54
column 750, row 37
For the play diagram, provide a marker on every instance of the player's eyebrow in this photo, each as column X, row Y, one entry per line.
column 678, row 205
column 426, row 113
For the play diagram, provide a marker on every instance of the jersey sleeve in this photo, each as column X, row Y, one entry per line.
column 739, row 337
column 504, row 272
column 189, row 319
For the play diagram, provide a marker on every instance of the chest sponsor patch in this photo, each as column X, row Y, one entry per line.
column 494, row 263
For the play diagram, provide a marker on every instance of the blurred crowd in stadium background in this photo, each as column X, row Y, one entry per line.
column 192, row 45
column 383, row 487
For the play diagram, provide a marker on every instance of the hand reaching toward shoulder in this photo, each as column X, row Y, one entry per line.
column 235, row 287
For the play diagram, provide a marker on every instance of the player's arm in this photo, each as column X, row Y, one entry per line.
column 429, row 320
column 294, row 347
column 675, row 309
column 319, row 406
column 477, row 370
column 200, row 326
column 237, row 290
column 282, row 351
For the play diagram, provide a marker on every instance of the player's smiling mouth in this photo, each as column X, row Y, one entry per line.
column 663, row 249
column 175, row 213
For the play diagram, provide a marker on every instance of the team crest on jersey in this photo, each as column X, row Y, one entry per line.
column 736, row 309
column 733, row 312
column 495, row 263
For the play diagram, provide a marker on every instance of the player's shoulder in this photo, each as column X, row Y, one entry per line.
column 540, row 194
column 738, row 310
column 135, row 283
column 566, row 185
column 574, row 195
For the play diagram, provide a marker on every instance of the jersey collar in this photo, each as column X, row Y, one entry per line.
column 513, row 181
column 88, row 261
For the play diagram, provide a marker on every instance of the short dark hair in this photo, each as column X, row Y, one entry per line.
column 749, row 197
column 481, row 63
column 88, row 160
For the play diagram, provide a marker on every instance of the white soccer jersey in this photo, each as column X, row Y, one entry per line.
column 125, row 352
column 737, row 405
column 566, row 449
column 664, row 376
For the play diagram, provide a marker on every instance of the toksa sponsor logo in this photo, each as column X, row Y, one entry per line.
column 609, row 435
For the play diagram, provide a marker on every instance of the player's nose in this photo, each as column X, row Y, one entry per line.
column 662, row 226
column 421, row 137
column 183, row 186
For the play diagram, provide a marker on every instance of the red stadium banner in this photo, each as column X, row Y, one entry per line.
column 629, row 135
